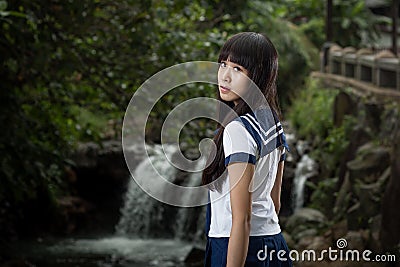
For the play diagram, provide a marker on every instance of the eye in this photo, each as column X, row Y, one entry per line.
column 237, row 68
column 222, row 64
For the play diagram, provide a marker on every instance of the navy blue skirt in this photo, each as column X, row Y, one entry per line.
column 263, row 251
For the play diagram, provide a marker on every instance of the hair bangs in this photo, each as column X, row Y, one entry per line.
column 237, row 50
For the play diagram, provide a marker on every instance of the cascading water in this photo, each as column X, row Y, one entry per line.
column 191, row 221
column 149, row 233
column 143, row 216
column 305, row 169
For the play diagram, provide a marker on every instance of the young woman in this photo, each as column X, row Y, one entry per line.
column 244, row 171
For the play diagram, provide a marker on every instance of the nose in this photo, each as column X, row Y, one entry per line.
column 226, row 74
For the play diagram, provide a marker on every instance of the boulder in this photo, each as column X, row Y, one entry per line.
column 343, row 105
column 339, row 229
column 318, row 244
column 355, row 240
column 195, row 257
column 369, row 197
column 355, row 218
column 305, row 233
column 101, row 178
column 390, row 231
column 374, row 229
column 304, row 242
column 371, row 160
column 372, row 119
column 342, row 199
column 74, row 212
column 305, row 218
column 289, row 240
column 358, row 137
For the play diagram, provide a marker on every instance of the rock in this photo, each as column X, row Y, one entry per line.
column 358, row 137
column 318, row 244
column 305, row 233
column 343, row 106
column 289, row 240
column 305, row 218
column 102, row 178
column 195, row 257
column 390, row 231
column 304, row 242
column 86, row 155
column 355, row 218
column 74, row 212
column 384, row 178
column 370, row 160
column 375, row 226
column 369, row 201
column 339, row 229
column 328, row 235
column 369, row 197
column 372, row 119
column 342, row 199
column 355, row 240
column 17, row 263
column 313, row 264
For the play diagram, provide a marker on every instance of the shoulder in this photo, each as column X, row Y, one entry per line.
column 235, row 124
column 238, row 127
column 235, row 130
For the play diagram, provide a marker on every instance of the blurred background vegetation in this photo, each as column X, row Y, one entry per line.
column 69, row 68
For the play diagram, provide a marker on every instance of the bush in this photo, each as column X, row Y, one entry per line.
column 311, row 112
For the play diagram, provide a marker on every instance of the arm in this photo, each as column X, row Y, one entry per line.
column 240, row 175
column 276, row 189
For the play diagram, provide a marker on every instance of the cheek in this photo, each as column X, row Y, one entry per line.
column 243, row 80
column 219, row 75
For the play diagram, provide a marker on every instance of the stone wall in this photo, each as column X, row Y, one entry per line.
column 365, row 208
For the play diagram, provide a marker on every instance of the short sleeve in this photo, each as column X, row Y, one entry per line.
column 285, row 147
column 283, row 154
column 239, row 145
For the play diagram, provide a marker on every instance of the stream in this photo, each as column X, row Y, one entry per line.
column 102, row 252
column 149, row 233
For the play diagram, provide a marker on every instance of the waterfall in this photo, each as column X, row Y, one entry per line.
column 143, row 216
column 191, row 221
column 305, row 169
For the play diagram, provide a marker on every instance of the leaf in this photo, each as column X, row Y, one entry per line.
column 345, row 23
column 3, row 5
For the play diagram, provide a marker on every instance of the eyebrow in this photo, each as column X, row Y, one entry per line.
column 237, row 64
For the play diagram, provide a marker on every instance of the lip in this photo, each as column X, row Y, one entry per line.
column 224, row 89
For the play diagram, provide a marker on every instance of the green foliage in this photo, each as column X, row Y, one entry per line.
column 311, row 111
column 311, row 115
column 314, row 29
column 69, row 68
column 322, row 198
column 59, row 64
column 353, row 23
column 297, row 55
column 335, row 145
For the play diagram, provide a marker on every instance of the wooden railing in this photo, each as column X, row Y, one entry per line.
column 376, row 73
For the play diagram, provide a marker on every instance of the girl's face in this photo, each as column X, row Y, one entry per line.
column 233, row 81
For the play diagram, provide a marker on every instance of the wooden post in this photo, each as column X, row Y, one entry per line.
column 395, row 20
column 328, row 22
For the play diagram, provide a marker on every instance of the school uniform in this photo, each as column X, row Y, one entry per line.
column 256, row 138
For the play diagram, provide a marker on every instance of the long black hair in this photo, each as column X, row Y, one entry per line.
column 256, row 53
